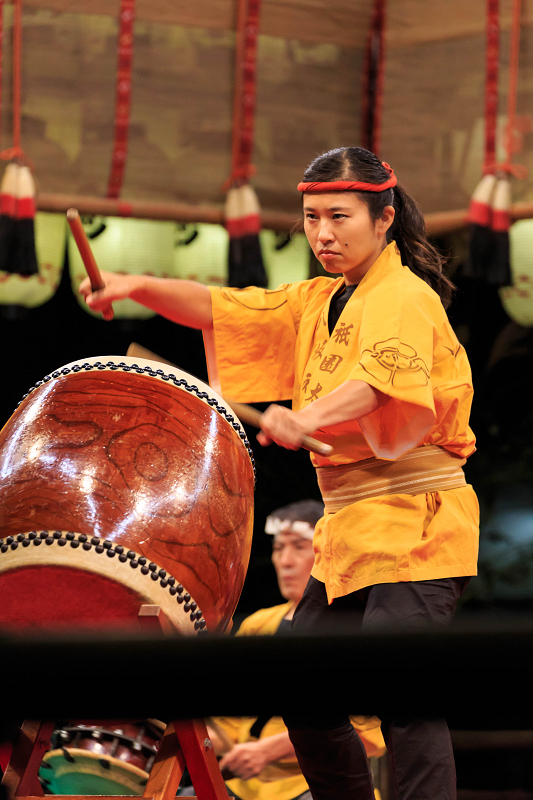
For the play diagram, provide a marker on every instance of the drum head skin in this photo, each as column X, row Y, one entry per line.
column 150, row 466
column 78, row 772
column 52, row 597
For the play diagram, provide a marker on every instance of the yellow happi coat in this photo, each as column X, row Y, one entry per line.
column 393, row 334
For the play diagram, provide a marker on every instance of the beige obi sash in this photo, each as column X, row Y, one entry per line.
column 425, row 469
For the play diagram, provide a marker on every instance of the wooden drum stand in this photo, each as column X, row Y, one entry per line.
column 185, row 743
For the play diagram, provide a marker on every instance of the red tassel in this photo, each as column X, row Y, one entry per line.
column 242, row 212
column 17, row 212
column 479, row 212
column 500, row 265
column 243, row 223
column 480, row 218
column 489, row 231
column 501, row 203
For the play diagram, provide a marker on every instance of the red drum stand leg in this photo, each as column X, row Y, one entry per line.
column 20, row 778
column 186, row 743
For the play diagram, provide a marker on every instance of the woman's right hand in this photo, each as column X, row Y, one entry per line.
column 185, row 302
column 116, row 287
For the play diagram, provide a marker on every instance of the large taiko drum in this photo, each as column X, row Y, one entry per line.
column 123, row 482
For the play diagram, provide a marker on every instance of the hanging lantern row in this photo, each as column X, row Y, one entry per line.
column 133, row 246
column 242, row 246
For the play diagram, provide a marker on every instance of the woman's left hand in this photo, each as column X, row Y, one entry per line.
column 286, row 428
column 246, row 760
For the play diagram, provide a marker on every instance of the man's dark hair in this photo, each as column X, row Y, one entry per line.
column 303, row 511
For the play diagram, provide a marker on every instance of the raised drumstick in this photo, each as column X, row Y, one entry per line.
column 87, row 257
column 245, row 413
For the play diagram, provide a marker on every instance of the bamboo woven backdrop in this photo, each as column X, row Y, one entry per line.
column 308, row 95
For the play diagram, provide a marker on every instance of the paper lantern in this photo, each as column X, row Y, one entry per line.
column 34, row 290
column 201, row 254
column 517, row 299
column 195, row 252
column 203, row 257
column 130, row 246
column 289, row 263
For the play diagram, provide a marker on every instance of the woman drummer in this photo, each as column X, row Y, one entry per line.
column 374, row 369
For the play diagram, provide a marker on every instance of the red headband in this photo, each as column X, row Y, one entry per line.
column 353, row 186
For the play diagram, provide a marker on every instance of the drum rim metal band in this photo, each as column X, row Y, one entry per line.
column 180, row 383
column 105, row 547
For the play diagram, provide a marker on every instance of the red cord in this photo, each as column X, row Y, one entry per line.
column 16, row 151
column 373, row 80
column 513, row 80
column 17, row 43
column 491, row 80
column 244, row 92
column 491, row 165
column 123, row 98
column 1, row 53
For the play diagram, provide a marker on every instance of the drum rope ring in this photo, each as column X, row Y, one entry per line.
column 101, row 546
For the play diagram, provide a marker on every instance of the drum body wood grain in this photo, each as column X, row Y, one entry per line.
column 148, row 461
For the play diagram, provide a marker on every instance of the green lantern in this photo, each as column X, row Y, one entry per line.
column 286, row 261
column 127, row 246
column 201, row 253
column 196, row 252
column 517, row 299
column 34, row 290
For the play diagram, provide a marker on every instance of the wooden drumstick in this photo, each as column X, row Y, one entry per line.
column 245, row 413
column 89, row 262
column 253, row 417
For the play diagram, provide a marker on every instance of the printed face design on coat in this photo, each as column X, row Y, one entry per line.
column 397, row 363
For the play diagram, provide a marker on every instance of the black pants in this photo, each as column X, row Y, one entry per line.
column 330, row 753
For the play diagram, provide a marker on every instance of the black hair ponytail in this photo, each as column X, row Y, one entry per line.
column 408, row 228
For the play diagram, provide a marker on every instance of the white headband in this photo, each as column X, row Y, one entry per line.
column 275, row 525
